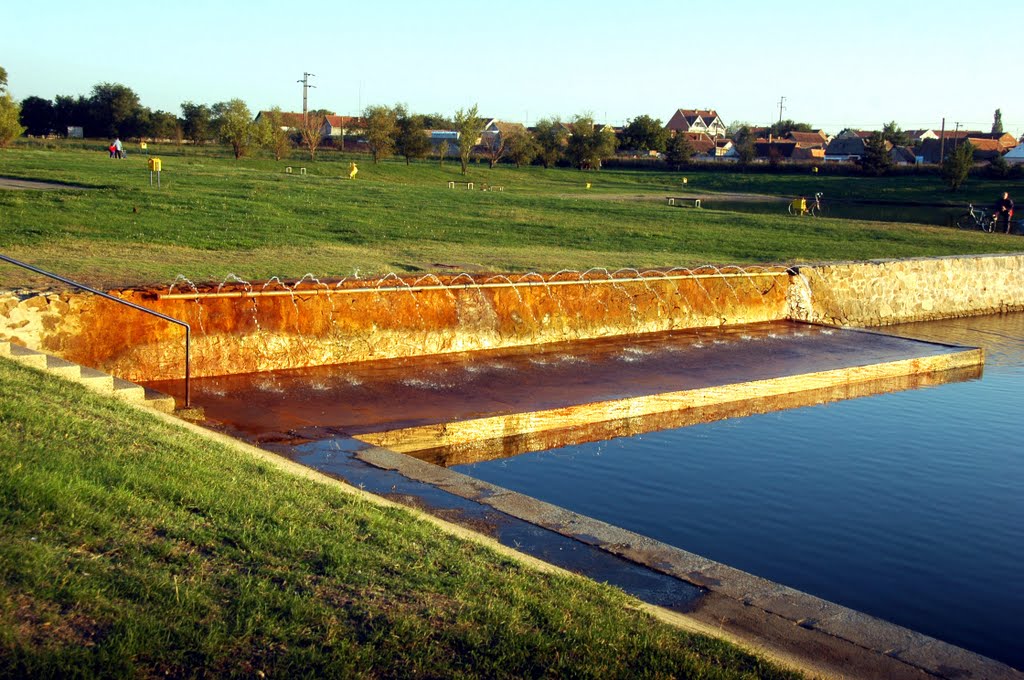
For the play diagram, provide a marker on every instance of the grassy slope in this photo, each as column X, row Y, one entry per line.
column 216, row 216
column 133, row 548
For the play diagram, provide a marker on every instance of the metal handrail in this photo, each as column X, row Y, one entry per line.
column 82, row 286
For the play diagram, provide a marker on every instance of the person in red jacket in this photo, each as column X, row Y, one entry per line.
column 1004, row 211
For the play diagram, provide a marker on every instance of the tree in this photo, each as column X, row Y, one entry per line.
column 381, row 130
column 312, row 133
column 411, row 140
column 9, row 114
column 69, row 111
column 164, row 125
column 195, row 122
column 784, row 127
column 588, row 145
column 876, row 160
column 37, row 115
column 442, row 152
column 275, row 134
column 744, row 143
column 678, row 151
column 957, row 165
column 551, row 136
column 997, row 122
column 113, row 110
column 496, row 144
column 644, row 133
column 892, row 133
column 233, row 122
column 469, row 126
column 522, row 147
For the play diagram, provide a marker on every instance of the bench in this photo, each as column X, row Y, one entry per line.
column 491, row 187
column 684, row 200
column 451, row 185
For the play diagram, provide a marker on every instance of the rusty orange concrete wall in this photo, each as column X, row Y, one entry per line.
column 387, row 319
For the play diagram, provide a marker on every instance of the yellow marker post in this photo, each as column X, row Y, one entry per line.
column 154, row 166
column 685, row 180
column 588, row 185
column 353, row 170
column 143, row 147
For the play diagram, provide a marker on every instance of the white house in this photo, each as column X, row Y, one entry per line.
column 696, row 120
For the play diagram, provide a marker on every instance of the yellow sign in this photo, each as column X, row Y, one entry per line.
column 142, row 145
column 154, row 165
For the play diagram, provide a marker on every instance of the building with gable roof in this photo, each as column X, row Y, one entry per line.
column 696, row 120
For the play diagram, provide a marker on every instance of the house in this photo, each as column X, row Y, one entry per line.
column 848, row 145
column 985, row 149
column 1015, row 156
column 336, row 127
column 774, row 149
column 902, row 155
column 696, row 120
column 289, row 120
column 918, row 136
column 496, row 132
column 816, row 139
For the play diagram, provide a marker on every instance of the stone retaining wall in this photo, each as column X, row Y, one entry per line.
column 884, row 292
column 395, row 317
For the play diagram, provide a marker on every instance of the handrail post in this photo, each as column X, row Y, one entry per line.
column 108, row 296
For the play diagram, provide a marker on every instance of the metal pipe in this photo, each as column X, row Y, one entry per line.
column 82, row 286
column 519, row 284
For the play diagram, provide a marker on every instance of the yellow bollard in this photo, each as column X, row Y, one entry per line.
column 588, row 185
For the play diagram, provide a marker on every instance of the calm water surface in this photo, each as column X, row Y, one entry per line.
column 907, row 506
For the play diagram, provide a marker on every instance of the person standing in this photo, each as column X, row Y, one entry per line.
column 1004, row 211
column 118, row 148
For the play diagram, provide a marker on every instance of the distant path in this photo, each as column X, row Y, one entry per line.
column 31, row 184
column 660, row 196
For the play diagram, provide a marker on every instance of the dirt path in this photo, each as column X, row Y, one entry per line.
column 34, row 185
column 745, row 198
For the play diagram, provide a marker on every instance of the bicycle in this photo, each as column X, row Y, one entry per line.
column 800, row 206
column 976, row 219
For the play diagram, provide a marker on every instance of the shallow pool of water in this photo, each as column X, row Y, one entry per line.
column 907, row 506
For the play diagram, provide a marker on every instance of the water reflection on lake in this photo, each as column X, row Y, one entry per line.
column 907, row 506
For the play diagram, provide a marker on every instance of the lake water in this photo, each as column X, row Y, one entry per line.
column 907, row 506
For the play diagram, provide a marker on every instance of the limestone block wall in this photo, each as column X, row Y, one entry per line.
column 879, row 293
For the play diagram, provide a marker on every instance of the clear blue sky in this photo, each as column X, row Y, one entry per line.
column 838, row 64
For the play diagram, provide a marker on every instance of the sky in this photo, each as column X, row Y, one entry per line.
column 837, row 64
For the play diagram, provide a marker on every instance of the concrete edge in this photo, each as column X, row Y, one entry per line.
column 880, row 644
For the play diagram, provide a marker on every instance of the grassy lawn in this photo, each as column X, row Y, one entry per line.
column 132, row 548
column 215, row 216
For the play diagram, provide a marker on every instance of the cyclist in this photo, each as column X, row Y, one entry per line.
column 1004, row 210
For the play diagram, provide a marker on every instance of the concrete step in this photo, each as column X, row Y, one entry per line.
column 97, row 380
column 129, row 391
column 90, row 377
column 29, row 357
column 63, row 368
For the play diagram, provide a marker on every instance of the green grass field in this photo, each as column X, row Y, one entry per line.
column 214, row 216
column 132, row 548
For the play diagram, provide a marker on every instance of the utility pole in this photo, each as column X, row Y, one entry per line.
column 956, row 136
column 942, row 140
column 781, row 102
column 305, row 90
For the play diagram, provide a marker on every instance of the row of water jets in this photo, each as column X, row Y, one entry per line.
column 392, row 282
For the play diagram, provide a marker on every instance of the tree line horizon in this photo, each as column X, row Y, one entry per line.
column 115, row 110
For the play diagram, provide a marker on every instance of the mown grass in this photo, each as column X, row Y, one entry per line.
column 216, row 216
column 132, row 548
